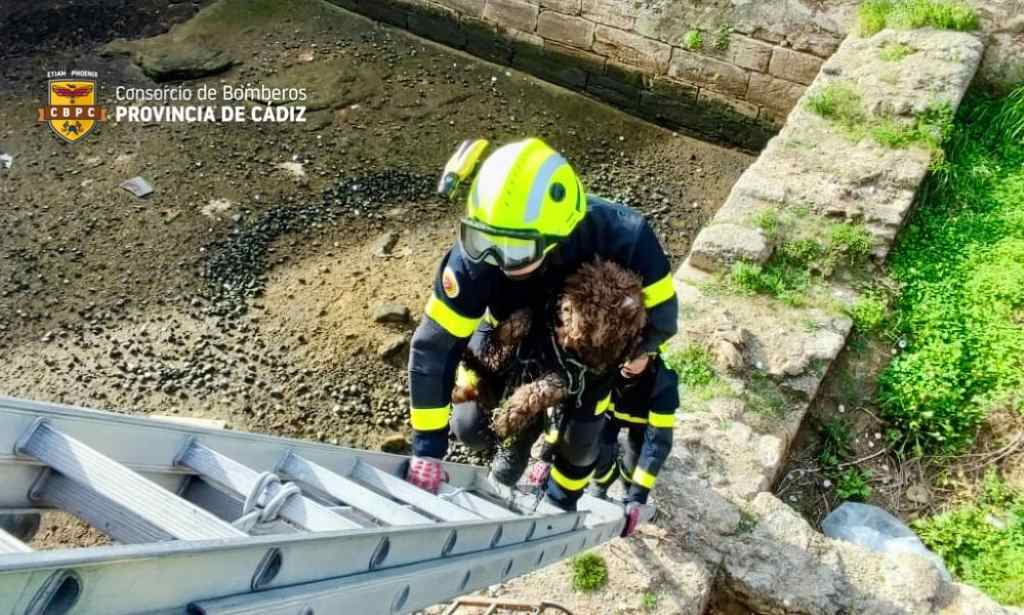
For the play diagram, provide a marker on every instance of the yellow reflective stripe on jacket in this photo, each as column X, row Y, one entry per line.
column 661, row 420
column 603, row 405
column 452, row 322
column 429, row 419
column 629, row 418
column 572, row 484
column 659, row 292
column 642, row 478
column 490, row 319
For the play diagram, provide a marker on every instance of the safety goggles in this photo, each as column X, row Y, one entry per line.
column 503, row 248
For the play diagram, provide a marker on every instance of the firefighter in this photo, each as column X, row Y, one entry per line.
column 528, row 225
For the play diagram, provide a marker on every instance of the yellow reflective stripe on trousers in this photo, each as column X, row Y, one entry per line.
column 622, row 473
column 429, row 419
column 603, row 405
column 622, row 416
column 642, row 478
column 452, row 322
column 572, row 484
column 607, row 475
column 657, row 419
column 659, row 292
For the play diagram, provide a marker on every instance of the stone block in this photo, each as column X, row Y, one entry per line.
column 718, row 246
column 386, row 11
column 437, row 23
column 512, row 14
column 821, row 44
column 728, row 104
column 673, row 89
column 776, row 95
column 569, row 7
column 615, row 13
column 749, row 53
column 708, row 73
column 629, row 48
column 618, row 86
column 547, row 65
column 484, row 41
column 470, row 8
column 587, row 60
column 794, row 66
column 567, row 29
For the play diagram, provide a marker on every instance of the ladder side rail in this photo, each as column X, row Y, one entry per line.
column 407, row 588
column 9, row 544
column 171, row 574
column 348, row 491
column 241, row 481
column 120, row 485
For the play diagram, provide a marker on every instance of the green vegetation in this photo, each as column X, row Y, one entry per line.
column 835, row 443
column 764, row 397
column 843, row 105
column 589, row 572
column 788, row 274
column 894, row 52
column 693, row 365
column 875, row 15
column 852, row 484
column 693, row 40
column 868, row 313
column 649, row 601
column 983, row 542
column 960, row 262
column 723, row 37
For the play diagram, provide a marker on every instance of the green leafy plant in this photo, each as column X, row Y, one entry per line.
column 723, row 37
column 960, row 263
column 848, row 244
column 693, row 40
column 835, row 442
column 852, row 484
column 894, row 52
column 693, row 365
column 875, row 15
column 982, row 542
column 868, row 313
column 589, row 572
column 839, row 102
column 649, row 601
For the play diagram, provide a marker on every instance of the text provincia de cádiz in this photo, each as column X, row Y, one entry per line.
column 285, row 112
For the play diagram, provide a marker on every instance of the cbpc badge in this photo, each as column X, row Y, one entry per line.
column 71, row 109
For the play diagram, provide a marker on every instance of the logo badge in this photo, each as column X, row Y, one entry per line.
column 450, row 283
column 71, row 109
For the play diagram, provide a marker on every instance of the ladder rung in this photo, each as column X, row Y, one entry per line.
column 348, row 491
column 401, row 490
column 118, row 522
column 228, row 507
column 9, row 544
column 475, row 503
column 240, row 480
column 121, row 486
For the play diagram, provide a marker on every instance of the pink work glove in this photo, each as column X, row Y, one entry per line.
column 632, row 518
column 539, row 473
column 426, row 473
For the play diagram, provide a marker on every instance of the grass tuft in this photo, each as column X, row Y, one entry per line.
column 589, row 572
column 868, row 313
column 693, row 365
column 693, row 40
column 874, row 16
column 723, row 37
column 894, row 52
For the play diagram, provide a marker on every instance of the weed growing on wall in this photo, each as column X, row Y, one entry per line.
column 693, row 40
column 894, row 52
column 723, row 37
column 960, row 262
column 875, row 15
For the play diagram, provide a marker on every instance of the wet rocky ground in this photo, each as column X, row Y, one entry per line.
column 276, row 273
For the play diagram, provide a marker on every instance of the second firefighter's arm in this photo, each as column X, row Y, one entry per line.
column 650, row 261
column 657, row 442
column 452, row 313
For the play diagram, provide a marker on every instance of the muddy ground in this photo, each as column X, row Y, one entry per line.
column 244, row 287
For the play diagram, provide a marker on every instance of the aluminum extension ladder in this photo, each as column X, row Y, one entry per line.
column 210, row 522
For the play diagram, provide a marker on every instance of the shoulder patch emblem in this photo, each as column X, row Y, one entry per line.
column 450, row 283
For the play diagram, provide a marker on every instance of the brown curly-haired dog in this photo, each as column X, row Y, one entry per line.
column 598, row 319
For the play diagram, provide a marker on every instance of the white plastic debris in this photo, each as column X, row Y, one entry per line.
column 875, row 529
column 7, row 160
column 137, row 186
